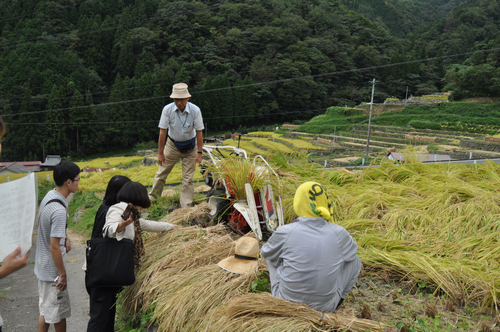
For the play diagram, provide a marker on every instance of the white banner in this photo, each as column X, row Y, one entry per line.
column 18, row 205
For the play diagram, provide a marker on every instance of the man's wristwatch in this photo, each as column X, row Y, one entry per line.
column 200, row 152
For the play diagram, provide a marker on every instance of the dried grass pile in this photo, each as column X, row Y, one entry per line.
column 181, row 281
column 188, row 215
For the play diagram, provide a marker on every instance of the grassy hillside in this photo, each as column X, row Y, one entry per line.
column 460, row 117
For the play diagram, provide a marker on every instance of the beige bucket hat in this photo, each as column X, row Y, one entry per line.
column 246, row 256
column 180, row 91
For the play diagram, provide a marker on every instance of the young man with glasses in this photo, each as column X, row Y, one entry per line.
column 51, row 248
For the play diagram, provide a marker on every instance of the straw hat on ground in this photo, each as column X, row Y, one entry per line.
column 180, row 91
column 246, row 256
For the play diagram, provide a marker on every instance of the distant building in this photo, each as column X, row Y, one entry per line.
column 30, row 164
column 428, row 157
column 17, row 168
column 50, row 162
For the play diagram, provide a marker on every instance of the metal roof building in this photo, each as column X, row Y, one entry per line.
column 396, row 156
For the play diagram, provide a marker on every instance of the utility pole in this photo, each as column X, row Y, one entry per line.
column 334, row 131
column 370, row 119
column 406, row 99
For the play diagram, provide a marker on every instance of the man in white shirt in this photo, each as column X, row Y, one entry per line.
column 182, row 123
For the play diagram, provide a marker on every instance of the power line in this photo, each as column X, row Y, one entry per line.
column 156, row 121
column 264, row 83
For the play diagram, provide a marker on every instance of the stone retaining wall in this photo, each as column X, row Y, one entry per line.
column 480, row 145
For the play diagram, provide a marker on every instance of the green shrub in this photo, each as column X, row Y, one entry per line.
column 44, row 186
column 418, row 124
column 146, row 145
column 343, row 111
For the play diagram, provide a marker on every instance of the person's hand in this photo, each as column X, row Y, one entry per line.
column 68, row 244
column 62, row 282
column 124, row 223
column 128, row 221
column 161, row 158
column 12, row 263
column 175, row 226
column 197, row 160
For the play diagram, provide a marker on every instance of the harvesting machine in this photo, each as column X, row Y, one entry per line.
column 261, row 211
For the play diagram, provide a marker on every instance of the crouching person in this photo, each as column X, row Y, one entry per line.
column 312, row 260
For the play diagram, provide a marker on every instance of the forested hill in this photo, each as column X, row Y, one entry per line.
column 402, row 17
column 471, row 27
column 58, row 58
column 80, row 77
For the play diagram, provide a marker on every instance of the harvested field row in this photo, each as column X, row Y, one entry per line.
column 411, row 131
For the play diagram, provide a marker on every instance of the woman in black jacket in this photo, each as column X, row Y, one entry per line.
column 103, row 299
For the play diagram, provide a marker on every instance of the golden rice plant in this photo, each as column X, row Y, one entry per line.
column 261, row 133
column 142, row 174
column 110, row 162
column 248, row 146
column 270, row 145
column 237, row 172
column 437, row 223
column 40, row 176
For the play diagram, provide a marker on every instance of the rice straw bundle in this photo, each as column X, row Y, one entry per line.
column 189, row 298
column 172, row 252
column 265, row 304
column 186, row 215
column 252, row 323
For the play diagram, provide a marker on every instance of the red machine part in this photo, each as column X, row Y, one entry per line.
column 238, row 223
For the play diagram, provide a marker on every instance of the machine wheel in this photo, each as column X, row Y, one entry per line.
column 219, row 204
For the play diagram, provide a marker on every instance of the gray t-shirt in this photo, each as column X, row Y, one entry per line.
column 182, row 126
column 308, row 256
column 51, row 223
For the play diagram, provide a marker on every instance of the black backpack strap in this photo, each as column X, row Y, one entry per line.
column 57, row 201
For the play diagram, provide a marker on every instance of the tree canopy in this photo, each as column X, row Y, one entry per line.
column 84, row 77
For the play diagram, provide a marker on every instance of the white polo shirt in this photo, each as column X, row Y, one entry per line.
column 182, row 126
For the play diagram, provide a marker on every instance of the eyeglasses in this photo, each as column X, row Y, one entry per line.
column 77, row 180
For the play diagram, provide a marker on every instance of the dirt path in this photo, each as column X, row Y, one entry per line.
column 19, row 294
